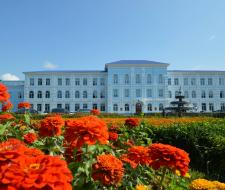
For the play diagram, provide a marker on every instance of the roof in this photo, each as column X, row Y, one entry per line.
column 195, row 71
column 66, row 71
column 136, row 62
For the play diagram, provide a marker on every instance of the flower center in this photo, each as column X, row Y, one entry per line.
column 34, row 166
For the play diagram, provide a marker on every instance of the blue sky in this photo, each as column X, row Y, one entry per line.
column 86, row 34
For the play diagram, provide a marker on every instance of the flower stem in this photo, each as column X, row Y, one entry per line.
column 162, row 179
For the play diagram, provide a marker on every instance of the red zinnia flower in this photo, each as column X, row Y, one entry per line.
column 162, row 155
column 51, row 126
column 37, row 173
column 95, row 112
column 113, row 136
column 25, row 105
column 86, row 130
column 6, row 117
column 137, row 155
column 7, row 106
column 132, row 122
column 30, row 138
column 4, row 95
column 108, row 170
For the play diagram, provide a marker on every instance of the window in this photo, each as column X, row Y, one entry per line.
column 210, row 81
column 59, row 94
column 222, row 94
column 20, row 95
column 85, row 106
column 47, row 82
column 85, row 95
column 176, row 93
column 126, row 79
column 221, row 81
column 31, row 94
column 149, row 107
column 115, row 93
column 115, row 107
column 77, row 94
column 160, row 79
column 95, row 94
column 138, row 93
column 222, row 106
column 59, row 82
column 203, row 94
column 32, row 106
column 193, row 94
column 169, row 81
column 67, row 81
column 47, row 108
column 161, row 93
column 31, row 81
column 169, row 94
column 102, row 107
column 126, row 93
column 211, row 107
column 85, row 81
column 115, row 79
column 127, row 108
column 202, row 81
column 95, row 106
column 77, row 82
column 39, row 94
column 39, row 107
column 77, row 107
column 67, row 94
column 210, row 94
column 176, row 81
column 149, row 93
column 185, row 81
column 59, row 106
column 39, row 82
column 138, row 78
column 67, row 107
column 186, row 95
column 193, row 81
column 203, row 106
column 95, row 81
column 149, row 79
column 102, row 94
column 160, row 107
column 47, row 94
column 102, row 81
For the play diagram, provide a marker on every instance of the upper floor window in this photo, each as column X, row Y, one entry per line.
column 85, row 81
column 77, row 82
column 95, row 94
column 67, row 81
column 126, row 79
column 186, row 94
column 102, row 94
column 138, row 93
column 102, row 81
column 115, row 79
column 160, row 79
column 31, row 94
column 115, row 93
column 161, row 93
column 59, row 94
column 39, row 82
column 149, row 93
column 77, row 94
column 221, row 81
column 169, row 81
column 47, row 82
column 210, row 81
column 193, row 94
column 95, row 83
column 210, row 94
column 202, row 81
column 31, row 81
column 59, row 82
column 193, row 81
column 203, row 94
column 126, row 93
column 169, row 94
column 222, row 94
column 176, row 81
column 176, row 93
column 39, row 94
column 47, row 94
column 67, row 94
column 85, row 95
column 126, row 107
column 185, row 81
column 138, row 79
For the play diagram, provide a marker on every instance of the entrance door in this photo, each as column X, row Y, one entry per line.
column 138, row 108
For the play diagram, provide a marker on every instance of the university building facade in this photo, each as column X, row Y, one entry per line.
column 126, row 86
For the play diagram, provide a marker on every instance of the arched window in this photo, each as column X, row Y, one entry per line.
column 203, row 94
column 67, row 94
column 210, row 94
column 149, row 107
column 47, row 94
column 77, row 94
column 222, row 94
column 31, row 94
column 170, row 94
column 85, row 94
column 127, row 108
column 160, row 107
column 95, row 94
column 39, row 94
column 59, row 94
column 115, row 107
column 193, row 94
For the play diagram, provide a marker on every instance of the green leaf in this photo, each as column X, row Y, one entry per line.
column 3, row 128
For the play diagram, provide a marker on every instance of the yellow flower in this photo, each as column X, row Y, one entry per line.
column 187, row 175
column 219, row 185
column 202, row 184
column 23, row 127
column 141, row 187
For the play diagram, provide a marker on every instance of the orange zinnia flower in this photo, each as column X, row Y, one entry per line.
column 51, row 126
column 163, row 155
column 4, row 95
column 132, row 122
column 86, row 130
column 6, row 117
column 108, row 170
column 25, row 105
column 95, row 112
column 137, row 155
column 30, row 138
column 113, row 136
column 7, row 106
column 37, row 173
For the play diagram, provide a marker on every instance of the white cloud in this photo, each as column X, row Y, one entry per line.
column 212, row 37
column 9, row 76
column 49, row 65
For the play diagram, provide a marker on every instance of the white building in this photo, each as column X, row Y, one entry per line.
column 126, row 86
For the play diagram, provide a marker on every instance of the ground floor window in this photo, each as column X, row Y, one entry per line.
column 160, row 107
column 203, row 106
column 67, row 107
column 47, row 108
column 211, row 106
column 149, row 107
column 222, row 105
column 127, row 108
column 39, row 107
column 102, row 107
column 59, row 106
column 85, row 106
column 115, row 107
column 77, row 107
column 95, row 106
